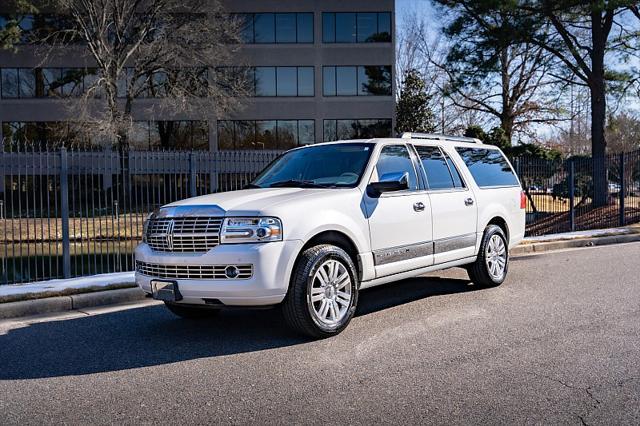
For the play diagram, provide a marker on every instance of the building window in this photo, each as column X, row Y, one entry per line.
column 356, row 129
column 40, row 135
column 374, row 80
column 261, row 28
column 264, row 134
column 75, row 82
column 360, row 27
column 144, row 135
column 272, row 81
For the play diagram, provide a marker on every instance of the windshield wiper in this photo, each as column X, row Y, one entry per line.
column 251, row 186
column 296, row 184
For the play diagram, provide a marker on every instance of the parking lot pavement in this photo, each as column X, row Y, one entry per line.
column 558, row 342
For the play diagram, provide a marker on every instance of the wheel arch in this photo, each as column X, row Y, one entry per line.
column 336, row 238
column 502, row 224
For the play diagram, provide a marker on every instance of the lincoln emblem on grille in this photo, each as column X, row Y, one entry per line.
column 170, row 234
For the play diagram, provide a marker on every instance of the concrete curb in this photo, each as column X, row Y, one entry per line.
column 69, row 303
column 581, row 242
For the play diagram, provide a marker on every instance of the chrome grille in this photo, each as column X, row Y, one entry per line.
column 184, row 234
column 192, row 272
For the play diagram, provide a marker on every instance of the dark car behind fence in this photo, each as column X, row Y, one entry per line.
column 69, row 213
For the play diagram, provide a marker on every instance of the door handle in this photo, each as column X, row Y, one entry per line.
column 419, row 206
column 468, row 202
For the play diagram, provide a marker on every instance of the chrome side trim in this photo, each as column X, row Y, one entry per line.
column 454, row 243
column 396, row 254
column 415, row 272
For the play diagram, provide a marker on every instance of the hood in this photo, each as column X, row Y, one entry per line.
column 244, row 202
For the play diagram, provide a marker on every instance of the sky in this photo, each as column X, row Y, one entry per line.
column 406, row 8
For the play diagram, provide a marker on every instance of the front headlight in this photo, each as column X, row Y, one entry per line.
column 250, row 230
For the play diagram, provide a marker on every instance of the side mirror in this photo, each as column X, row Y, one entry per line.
column 388, row 183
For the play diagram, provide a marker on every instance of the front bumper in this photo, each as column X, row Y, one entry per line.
column 272, row 265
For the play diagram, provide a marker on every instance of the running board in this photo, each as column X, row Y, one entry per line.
column 415, row 272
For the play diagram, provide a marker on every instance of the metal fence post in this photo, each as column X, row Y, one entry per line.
column 572, row 186
column 622, row 189
column 192, row 175
column 64, row 213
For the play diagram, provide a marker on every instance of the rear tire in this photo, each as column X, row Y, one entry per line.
column 191, row 312
column 491, row 266
column 323, row 292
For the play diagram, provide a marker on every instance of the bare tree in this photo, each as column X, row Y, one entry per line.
column 421, row 47
column 167, row 49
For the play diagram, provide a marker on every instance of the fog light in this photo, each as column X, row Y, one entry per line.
column 231, row 271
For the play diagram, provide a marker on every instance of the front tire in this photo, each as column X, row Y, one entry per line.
column 323, row 293
column 191, row 312
column 491, row 266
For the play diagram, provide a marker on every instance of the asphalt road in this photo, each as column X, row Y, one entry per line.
column 558, row 342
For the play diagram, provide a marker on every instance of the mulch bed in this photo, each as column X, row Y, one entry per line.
column 586, row 217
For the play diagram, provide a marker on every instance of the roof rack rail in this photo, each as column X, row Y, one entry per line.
column 433, row 136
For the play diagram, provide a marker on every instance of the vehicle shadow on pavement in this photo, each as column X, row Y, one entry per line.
column 149, row 336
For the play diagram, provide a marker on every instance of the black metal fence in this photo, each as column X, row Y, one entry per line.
column 73, row 213
column 69, row 213
column 560, row 193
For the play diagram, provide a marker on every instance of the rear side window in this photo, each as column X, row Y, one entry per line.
column 440, row 170
column 488, row 167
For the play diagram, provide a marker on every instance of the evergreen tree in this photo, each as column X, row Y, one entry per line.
column 412, row 110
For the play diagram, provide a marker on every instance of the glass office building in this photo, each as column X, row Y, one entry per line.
column 318, row 69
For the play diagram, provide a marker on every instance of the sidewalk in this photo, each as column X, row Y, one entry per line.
column 65, row 295
column 597, row 237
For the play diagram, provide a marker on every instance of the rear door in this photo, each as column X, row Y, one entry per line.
column 399, row 222
column 453, row 206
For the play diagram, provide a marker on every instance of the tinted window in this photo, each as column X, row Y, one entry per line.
column 9, row 82
column 356, row 129
column 265, row 81
column 329, row 27
column 395, row 159
column 265, row 134
column 266, row 137
column 246, row 27
column 287, row 134
column 329, row 81
column 457, row 179
column 285, row 27
column 345, row 27
column 305, row 81
column 362, row 27
column 306, row 132
column 346, row 81
column 264, row 26
column 374, row 80
column 488, row 167
column 27, row 83
column 287, row 81
column 435, row 166
column 384, row 27
column 367, row 26
column 305, row 27
column 225, row 135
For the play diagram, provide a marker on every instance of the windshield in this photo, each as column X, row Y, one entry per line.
column 322, row 166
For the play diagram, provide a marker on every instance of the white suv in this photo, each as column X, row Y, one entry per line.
column 323, row 222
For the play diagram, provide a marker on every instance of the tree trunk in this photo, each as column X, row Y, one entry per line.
column 506, row 115
column 598, row 111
